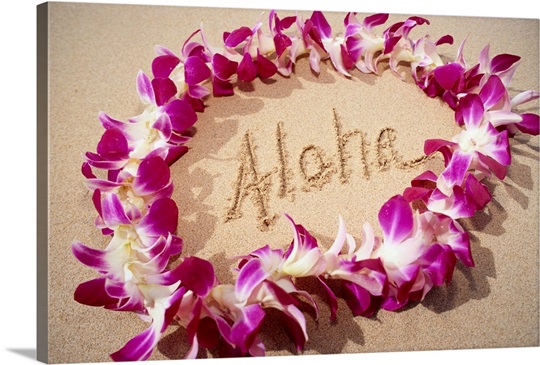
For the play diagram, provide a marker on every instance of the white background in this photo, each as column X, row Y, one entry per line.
column 18, row 176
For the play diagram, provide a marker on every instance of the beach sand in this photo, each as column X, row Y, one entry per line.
column 288, row 130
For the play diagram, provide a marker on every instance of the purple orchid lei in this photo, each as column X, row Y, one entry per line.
column 418, row 250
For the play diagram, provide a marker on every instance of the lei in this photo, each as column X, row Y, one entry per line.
column 418, row 249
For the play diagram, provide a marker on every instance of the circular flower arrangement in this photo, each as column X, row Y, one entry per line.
column 419, row 247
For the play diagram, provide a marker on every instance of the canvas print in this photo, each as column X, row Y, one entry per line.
column 243, row 183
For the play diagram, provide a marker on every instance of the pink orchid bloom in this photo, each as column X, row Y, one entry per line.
column 413, row 256
column 464, row 201
column 183, row 73
column 363, row 43
column 456, row 79
column 171, row 117
column 317, row 34
column 288, row 47
column 399, row 47
column 361, row 274
column 265, row 277
column 247, row 47
column 479, row 146
column 136, row 192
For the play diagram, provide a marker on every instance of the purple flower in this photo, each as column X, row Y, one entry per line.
column 479, row 146
column 414, row 255
column 361, row 274
column 464, row 201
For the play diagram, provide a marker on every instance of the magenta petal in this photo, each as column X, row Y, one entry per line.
column 251, row 275
column 390, row 43
column 113, row 212
column 530, row 124
column 93, row 293
column 182, row 115
column 197, row 275
column 86, row 170
column 477, row 192
column 440, row 261
column 471, row 109
column 140, row 347
column 198, row 91
column 374, row 20
column 282, row 42
column 145, row 89
column 392, row 304
column 503, row 62
column 107, row 122
column 162, row 66
column 492, row 91
column 174, row 153
column 196, row 70
column 330, row 298
column 223, row 67
column 396, row 219
column 243, row 332
column 247, row 71
column 208, row 333
column 153, row 174
column 305, row 239
column 441, row 145
column 446, row 39
column 113, row 145
column 90, row 257
column 294, row 331
column 359, row 300
column 414, row 193
column 164, row 89
column 237, row 36
column 448, row 75
column 265, row 67
column 321, row 24
column 163, row 124
column 161, row 219
column 455, row 172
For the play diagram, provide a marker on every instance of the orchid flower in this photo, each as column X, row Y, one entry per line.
column 479, row 146
column 398, row 46
column 261, row 282
column 362, row 43
column 135, row 192
column 362, row 276
column 413, row 259
column 464, row 201
column 288, row 47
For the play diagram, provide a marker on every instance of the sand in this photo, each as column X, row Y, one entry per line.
column 312, row 146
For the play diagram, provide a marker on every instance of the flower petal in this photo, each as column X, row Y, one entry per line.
column 163, row 65
column 250, row 276
column 153, row 174
column 448, row 75
column 247, row 71
column 161, row 219
column 197, row 275
column 530, row 124
column 396, row 219
column 113, row 212
column 502, row 62
column 182, row 115
column 492, row 91
column 164, row 90
column 196, row 70
column 145, row 89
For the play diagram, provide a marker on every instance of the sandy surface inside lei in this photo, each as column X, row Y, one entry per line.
column 288, row 130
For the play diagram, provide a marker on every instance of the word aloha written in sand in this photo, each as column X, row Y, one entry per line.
column 313, row 166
